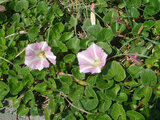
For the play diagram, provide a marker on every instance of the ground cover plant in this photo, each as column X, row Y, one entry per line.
column 81, row 59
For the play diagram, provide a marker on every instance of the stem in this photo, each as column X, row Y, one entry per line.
column 140, row 55
column 6, row 60
column 154, row 42
column 20, row 53
column 65, row 96
column 127, row 13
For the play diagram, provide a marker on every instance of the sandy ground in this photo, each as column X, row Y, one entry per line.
column 9, row 113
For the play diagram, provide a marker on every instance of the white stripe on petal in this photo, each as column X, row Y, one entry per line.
column 29, row 47
column 85, row 68
column 44, row 45
column 94, row 50
column 51, row 56
column 41, row 65
column 85, row 58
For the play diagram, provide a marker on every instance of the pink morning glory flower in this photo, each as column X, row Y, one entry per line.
column 37, row 55
column 92, row 59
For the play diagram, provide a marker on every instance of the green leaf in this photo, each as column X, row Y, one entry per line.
column 73, row 21
column 133, row 115
column 66, row 79
column 57, row 10
column 102, row 3
column 114, row 70
column 94, row 30
column 42, row 7
column 134, row 71
column 33, row 2
column 102, row 117
column 20, row 5
column 133, row 3
column 41, row 87
column 103, row 83
column 145, row 93
column 110, row 16
column 34, row 111
column 70, row 117
column 16, row 102
column 106, row 47
column 155, row 4
column 15, row 85
column 105, row 35
column 90, row 101
column 4, row 89
column 104, row 105
column 62, row 46
column 22, row 110
column 156, row 29
column 66, row 36
column 59, row 27
column 29, row 96
column 148, row 77
column 46, row 114
column 134, row 13
column 116, row 94
column 69, row 58
column 1, row 105
column 117, row 112
column 77, row 74
column 74, row 44
column 52, row 105
column 148, row 25
column 33, row 32
column 136, row 28
column 75, row 92
column 3, row 18
column 149, row 11
column 91, row 80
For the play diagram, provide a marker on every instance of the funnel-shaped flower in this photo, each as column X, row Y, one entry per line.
column 92, row 59
column 37, row 55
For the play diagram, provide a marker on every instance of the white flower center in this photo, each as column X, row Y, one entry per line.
column 42, row 55
column 96, row 63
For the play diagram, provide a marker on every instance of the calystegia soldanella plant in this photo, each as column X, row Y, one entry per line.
column 80, row 59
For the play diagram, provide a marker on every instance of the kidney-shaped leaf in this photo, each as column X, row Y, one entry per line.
column 90, row 101
column 117, row 112
column 114, row 70
column 148, row 77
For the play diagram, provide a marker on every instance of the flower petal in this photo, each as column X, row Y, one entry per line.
column 51, row 57
column 96, row 51
column 86, row 69
column 84, row 59
column 37, row 64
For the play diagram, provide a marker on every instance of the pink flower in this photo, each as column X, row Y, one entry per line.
column 92, row 59
column 37, row 55
column 93, row 16
column 135, row 59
